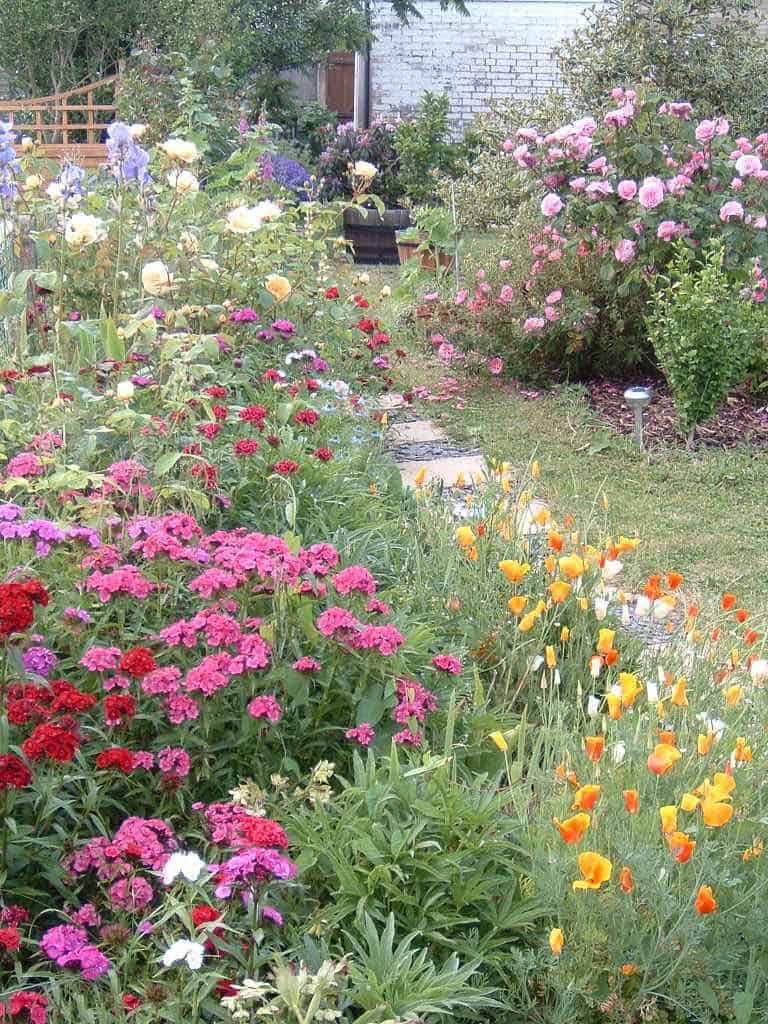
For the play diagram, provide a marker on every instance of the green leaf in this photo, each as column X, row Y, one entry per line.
column 708, row 996
column 372, row 707
column 166, row 463
column 743, row 1004
column 114, row 346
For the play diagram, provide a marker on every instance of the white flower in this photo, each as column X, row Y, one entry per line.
column 137, row 131
column 759, row 671
column 652, row 692
column 642, row 606
column 713, row 725
column 32, row 181
column 363, row 169
column 184, row 863
column 156, row 278
column 612, row 568
column 662, row 608
column 593, row 705
column 183, row 182
column 27, row 143
column 190, row 952
column 82, row 229
column 125, row 390
column 364, row 278
column 601, row 608
column 244, row 220
column 385, row 292
column 181, row 150
column 267, row 210
column 209, row 266
column 619, row 752
column 189, row 242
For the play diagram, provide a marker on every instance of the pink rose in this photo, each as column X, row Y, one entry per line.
column 731, row 211
column 668, row 229
column 461, row 296
column 651, row 192
column 705, row 130
column 507, row 145
column 495, row 365
column 506, row 294
column 551, row 204
column 747, row 165
column 625, row 251
column 599, row 189
column 551, row 313
column 578, row 184
column 627, row 189
column 554, row 297
column 760, row 222
column 533, row 323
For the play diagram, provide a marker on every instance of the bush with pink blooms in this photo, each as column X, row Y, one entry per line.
column 615, row 192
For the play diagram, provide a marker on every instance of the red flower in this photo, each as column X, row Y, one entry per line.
column 271, row 376
column 274, row 440
column 10, row 940
column 360, row 301
column 36, row 592
column 253, row 414
column 118, row 758
column 203, row 913
column 33, row 1002
column 17, row 602
column 262, row 832
column 69, row 698
column 366, row 325
column 13, row 772
column 119, row 709
column 285, row 467
column 215, row 391
column 324, row 454
column 130, row 1002
column 330, row 293
column 306, row 417
column 209, row 430
column 53, row 741
column 311, row 384
column 220, row 412
column 246, row 446
column 137, row 662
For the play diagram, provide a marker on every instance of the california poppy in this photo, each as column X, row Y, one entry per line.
column 517, row 603
column 549, row 656
column 594, row 746
column 614, row 706
column 559, row 591
column 741, row 615
column 465, row 538
column 555, row 540
column 674, row 579
column 514, row 570
column 705, row 900
column 585, row 798
column 421, row 473
column 742, row 752
column 704, row 743
column 663, row 757
column 595, row 869
column 499, row 740
column 756, row 850
column 571, row 566
column 668, row 815
column 605, row 639
column 688, row 802
column 681, row 846
column 733, row 695
column 626, row 881
column 727, row 601
column 572, row 829
column 631, row 801
column 630, row 688
column 715, row 813
column 679, row 697
column 556, row 941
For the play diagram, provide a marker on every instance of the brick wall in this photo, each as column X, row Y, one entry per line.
column 503, row 49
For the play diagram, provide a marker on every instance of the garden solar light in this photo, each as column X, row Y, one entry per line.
column 637, row 399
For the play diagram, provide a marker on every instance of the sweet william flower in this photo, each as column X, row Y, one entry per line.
column 595, row 870
column 184, row 863
column 190, row 953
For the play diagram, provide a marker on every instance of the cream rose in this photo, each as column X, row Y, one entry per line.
column 125, row 390
column 82, row 229
column 27, row 143
column 183, row 182
column 31, row 182
column 156, row 278
column 278, row 287
column 209, row 266
column 181, row 150
column 363, row 169
column 267, row 210
column 137, row 131
column 244, row 220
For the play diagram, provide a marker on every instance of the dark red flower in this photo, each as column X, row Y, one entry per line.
column 220, row 412
column 33, row 1002
column 271, row 376
column 14, row 774
column 332, row 292
column 215, row 391
column 10, row 939
column 306, row 417
column 17, row 602
column 203, row 913
column 53, row 741
column 68, row 698
column 311, row 384
column 118, row 758
column 273, row 440
column 246, row 446
column 253, row 414
column 137, row 662
column 209, row 430
column 130, row 1002
column 262, row 832
column 324, row 454
column 285, row 467
column 366, row 325
column 119, row 709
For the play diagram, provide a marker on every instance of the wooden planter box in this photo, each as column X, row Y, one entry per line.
column 373, row 236
column 406, row 250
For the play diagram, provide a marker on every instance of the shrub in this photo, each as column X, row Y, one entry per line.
column 344, row 145
column 703, row 333
column 423, row 148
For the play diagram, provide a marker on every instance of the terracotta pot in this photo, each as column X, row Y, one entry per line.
column 373, row 236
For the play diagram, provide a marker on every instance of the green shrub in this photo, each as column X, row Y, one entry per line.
column 424, row 149
column 702, row 332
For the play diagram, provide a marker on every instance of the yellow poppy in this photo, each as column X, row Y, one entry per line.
column 716, row 814
column 556, row 941
column 679, row 698
column 630, row 688
column 549, row 656
column 704, row 743
column 668, row 815
column 465, row 538
column 733, row 695
column 559, row 591
column 742, row 751
column 514, row 570
column 421, row 474
column 605, row 639
column 498, row 739
column 688, row 802
column 517, row 603
column 571, row 566
column 595, row 869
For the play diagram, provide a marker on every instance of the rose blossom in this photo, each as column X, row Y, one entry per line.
column 651, row 192
column 731, row 211
column 625, row 251
column 551, row 204
column 627, row 189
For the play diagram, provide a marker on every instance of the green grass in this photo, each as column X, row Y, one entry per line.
column 703, row 514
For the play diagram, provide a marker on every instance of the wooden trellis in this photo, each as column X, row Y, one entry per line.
column 68, row 124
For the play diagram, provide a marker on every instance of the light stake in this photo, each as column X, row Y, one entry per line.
column 637, row 398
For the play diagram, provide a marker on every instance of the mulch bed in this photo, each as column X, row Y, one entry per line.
column 742, row 419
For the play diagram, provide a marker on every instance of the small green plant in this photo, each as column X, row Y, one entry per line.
column 424, row 148
column 702, row 332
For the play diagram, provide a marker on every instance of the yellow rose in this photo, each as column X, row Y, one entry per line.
column 183, row 182
column 82, row 229
column 278, row 287
column 181, row 150
column 243, row 220
column 363, row 169
column 156, row 278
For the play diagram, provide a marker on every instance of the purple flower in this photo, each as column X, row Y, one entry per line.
column 39, row 660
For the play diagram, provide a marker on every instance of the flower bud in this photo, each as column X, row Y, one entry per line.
column 125, row 391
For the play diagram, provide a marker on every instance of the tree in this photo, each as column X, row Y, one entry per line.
column 709, row 52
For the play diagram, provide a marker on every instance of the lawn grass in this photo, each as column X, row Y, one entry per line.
column 703, row 514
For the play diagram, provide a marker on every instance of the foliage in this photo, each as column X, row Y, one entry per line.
column 422, row 145
column 706, row 51
column 344, row 145
column 311, row 120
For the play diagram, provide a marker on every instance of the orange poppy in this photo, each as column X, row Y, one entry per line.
column 465, row 538
column 741, row 615
column 666, row 735
column 715, row 813
column 751, row 636
column 681, row 847
column 705, row 900
column 517, row 603
column 742, row 752
column 679, row 698
column 514, row 570
column 626, row 881
column 704, row 743
column 572, row 829
column 631, row 801
column 727, row 601
column 595, row 869
column 559, row 591
column 594, row 746
column 555, row 541
column 756, row 850
column 674, row 579
column 614, row 706
column 565, row 634
column 611, row 657
column 605, row 640
column 571, row 566
column 663, row 758
column 627, row 969
column 585, row 798
column 652, row 588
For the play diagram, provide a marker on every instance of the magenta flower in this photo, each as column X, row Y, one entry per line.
column 266, row 706
column 363, row 733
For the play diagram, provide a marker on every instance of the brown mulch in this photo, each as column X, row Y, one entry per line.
column 742, row 419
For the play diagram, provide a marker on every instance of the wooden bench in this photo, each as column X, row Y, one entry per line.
column 68, row 125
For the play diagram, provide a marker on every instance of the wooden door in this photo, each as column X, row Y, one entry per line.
column 340, row 85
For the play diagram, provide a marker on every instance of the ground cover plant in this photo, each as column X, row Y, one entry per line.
column 280, row 737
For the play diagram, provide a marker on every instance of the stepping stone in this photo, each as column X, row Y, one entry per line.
column 391, row 401
column 414, row 432
column 446, row 470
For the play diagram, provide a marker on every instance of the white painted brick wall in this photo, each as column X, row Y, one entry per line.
column 503, row 49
